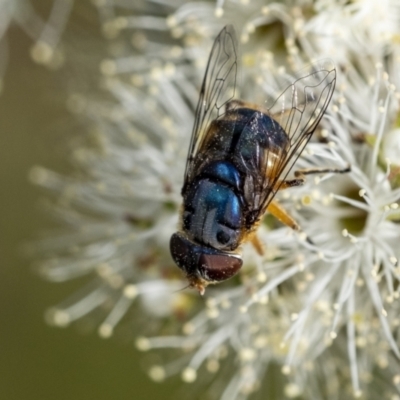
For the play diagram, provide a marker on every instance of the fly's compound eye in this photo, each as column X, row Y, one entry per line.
column 219, row 267
column 182, row 253
column 204, row 262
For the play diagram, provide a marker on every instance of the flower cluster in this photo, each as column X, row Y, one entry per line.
column 320, row 306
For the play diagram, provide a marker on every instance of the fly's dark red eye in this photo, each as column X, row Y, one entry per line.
column 219, row 267
column 182, row 253
column 203, row 262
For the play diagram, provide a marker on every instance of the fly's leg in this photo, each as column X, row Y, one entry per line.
column 279, row 212
column 282, row 215
column 255, row 241
column 301, row 173
column 301, row 176
column 280, row 185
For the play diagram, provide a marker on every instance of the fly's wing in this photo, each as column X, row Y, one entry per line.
column 298, row 111
column 217, row 90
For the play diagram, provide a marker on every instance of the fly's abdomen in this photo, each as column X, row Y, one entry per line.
column 212, row 209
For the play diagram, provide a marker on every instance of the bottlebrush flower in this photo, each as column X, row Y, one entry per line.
column 323, row 311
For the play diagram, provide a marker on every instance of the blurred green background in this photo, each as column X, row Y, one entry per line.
column 37, row 361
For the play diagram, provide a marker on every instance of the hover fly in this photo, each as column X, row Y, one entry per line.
column 239, row 157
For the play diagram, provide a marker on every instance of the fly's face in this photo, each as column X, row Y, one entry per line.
column 201, row 264
column 239, row 157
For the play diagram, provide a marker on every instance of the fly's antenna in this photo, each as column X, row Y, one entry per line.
column 182, row 289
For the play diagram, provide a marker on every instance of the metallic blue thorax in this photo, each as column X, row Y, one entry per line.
column 212, row 209
column 215, row 203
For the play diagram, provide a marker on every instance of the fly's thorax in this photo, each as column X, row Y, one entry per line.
column 212, row 207
column 261, row 142
column 202, row 263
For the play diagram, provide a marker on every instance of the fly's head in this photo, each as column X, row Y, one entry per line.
column 203, row 265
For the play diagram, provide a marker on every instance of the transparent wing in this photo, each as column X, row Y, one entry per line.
column 298, row 111
column 217, row 90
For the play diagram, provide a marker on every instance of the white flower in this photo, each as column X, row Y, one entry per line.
column 321, row 305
